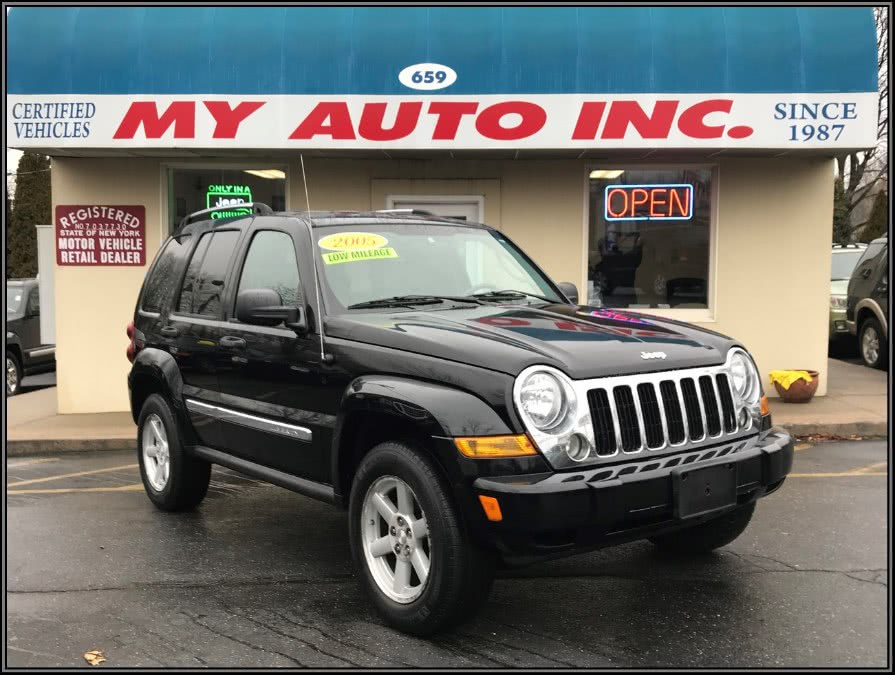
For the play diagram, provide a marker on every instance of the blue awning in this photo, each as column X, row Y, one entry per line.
column 514, row 50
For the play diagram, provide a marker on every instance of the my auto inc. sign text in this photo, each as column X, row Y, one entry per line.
column 785, row 121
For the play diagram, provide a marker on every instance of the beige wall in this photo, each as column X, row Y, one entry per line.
column 770, row 253
column 773, row 261
column 95, row 304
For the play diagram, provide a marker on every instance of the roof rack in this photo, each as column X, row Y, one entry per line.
column 257, row 208
column 414, row 212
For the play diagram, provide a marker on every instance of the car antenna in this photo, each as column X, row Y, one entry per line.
column 324, row 357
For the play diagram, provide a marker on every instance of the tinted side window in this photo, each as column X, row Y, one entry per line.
column 185, row 304
column 271, row 263
column 34, row 301
column 210, row 285
column 165, row 274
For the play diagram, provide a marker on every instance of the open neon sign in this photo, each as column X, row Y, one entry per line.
column 673, row 201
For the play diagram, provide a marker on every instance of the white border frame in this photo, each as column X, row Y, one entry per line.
column 692, row 315
column 478, row 200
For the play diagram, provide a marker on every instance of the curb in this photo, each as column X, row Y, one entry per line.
column 28, row 448
column 865, row 429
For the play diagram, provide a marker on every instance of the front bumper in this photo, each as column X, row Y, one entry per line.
column 838, row 324
column 555, row 514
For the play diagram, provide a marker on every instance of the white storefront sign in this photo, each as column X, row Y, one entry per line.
column 757, row 121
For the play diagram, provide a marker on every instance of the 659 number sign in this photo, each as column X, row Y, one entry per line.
column 427, row 76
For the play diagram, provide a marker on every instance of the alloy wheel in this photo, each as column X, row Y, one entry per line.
column 12, row 376
column 156, row 457
column 395, row 539
column 870, row 345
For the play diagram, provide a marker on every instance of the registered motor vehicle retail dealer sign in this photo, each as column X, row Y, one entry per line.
column 100, row 235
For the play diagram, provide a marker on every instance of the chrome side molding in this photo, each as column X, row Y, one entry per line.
column 253, row 421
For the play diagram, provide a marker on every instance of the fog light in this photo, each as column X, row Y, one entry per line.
column 743, row 417
column 840, row 325
column 577, row 448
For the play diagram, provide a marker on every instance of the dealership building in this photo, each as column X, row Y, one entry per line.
column 677, row 161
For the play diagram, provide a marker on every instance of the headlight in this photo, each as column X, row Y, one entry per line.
column 838, row 302
column 542, row 399
column 745, row 384
column 744, row 377
column 559, row 426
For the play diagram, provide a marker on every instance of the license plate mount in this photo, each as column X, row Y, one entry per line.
column 700, row 491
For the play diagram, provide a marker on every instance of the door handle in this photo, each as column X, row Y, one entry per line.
column 232, row 342
column 169, row 331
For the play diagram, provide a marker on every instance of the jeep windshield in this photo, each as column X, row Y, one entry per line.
column 373, row 265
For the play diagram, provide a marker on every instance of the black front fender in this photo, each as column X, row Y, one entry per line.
column 433, row 411
column 436, row 414
column 442, row 410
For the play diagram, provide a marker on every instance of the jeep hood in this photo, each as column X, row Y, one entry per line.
column 583, row 342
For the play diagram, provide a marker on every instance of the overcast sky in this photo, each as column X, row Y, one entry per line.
column 12, row 161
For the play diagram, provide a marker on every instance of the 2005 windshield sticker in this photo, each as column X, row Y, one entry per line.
column 354, row 246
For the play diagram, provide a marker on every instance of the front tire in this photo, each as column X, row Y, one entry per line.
column 173, row 479
column 872, row 344
column 13, row 374
column 708, row 536
column 409, row 546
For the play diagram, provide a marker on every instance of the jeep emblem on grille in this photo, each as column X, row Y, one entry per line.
column 652, row 355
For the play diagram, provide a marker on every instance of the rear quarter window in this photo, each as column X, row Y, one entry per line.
column 164, row 275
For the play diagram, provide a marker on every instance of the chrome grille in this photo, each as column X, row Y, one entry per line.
column 661, row 411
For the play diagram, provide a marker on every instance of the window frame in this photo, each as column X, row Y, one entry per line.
column 243, row 257
column 688, row 314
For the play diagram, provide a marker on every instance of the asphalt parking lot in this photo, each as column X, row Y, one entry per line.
column 261, row 577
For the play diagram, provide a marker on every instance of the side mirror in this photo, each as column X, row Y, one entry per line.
column 570, row 290
column 264, row 307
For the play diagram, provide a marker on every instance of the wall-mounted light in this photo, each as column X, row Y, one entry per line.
column 266, row 173
column 606, row 173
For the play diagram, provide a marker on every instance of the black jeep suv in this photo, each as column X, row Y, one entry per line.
column 425, row 374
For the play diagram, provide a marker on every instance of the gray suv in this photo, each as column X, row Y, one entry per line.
column 866, row 311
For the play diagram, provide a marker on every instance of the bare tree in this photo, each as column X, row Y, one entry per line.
column 860, row 171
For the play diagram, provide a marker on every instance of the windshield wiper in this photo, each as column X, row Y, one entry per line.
column 509, row 293
column 410, row 300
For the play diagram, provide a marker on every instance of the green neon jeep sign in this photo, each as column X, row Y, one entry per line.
column 228, row 195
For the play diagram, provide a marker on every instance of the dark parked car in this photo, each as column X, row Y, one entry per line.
column 25, row 354
column 426, row 375
column 867, row 305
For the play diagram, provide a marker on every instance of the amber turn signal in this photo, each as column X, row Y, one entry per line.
column 765, row 407
column 492, row 508
column 485, row 447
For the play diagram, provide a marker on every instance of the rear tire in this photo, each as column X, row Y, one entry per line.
column 459, row 574
column 872, row 344
column 173, row 479
column 707, row 536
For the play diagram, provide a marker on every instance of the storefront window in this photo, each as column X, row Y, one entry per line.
column 191, row 190
column 649, row 237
